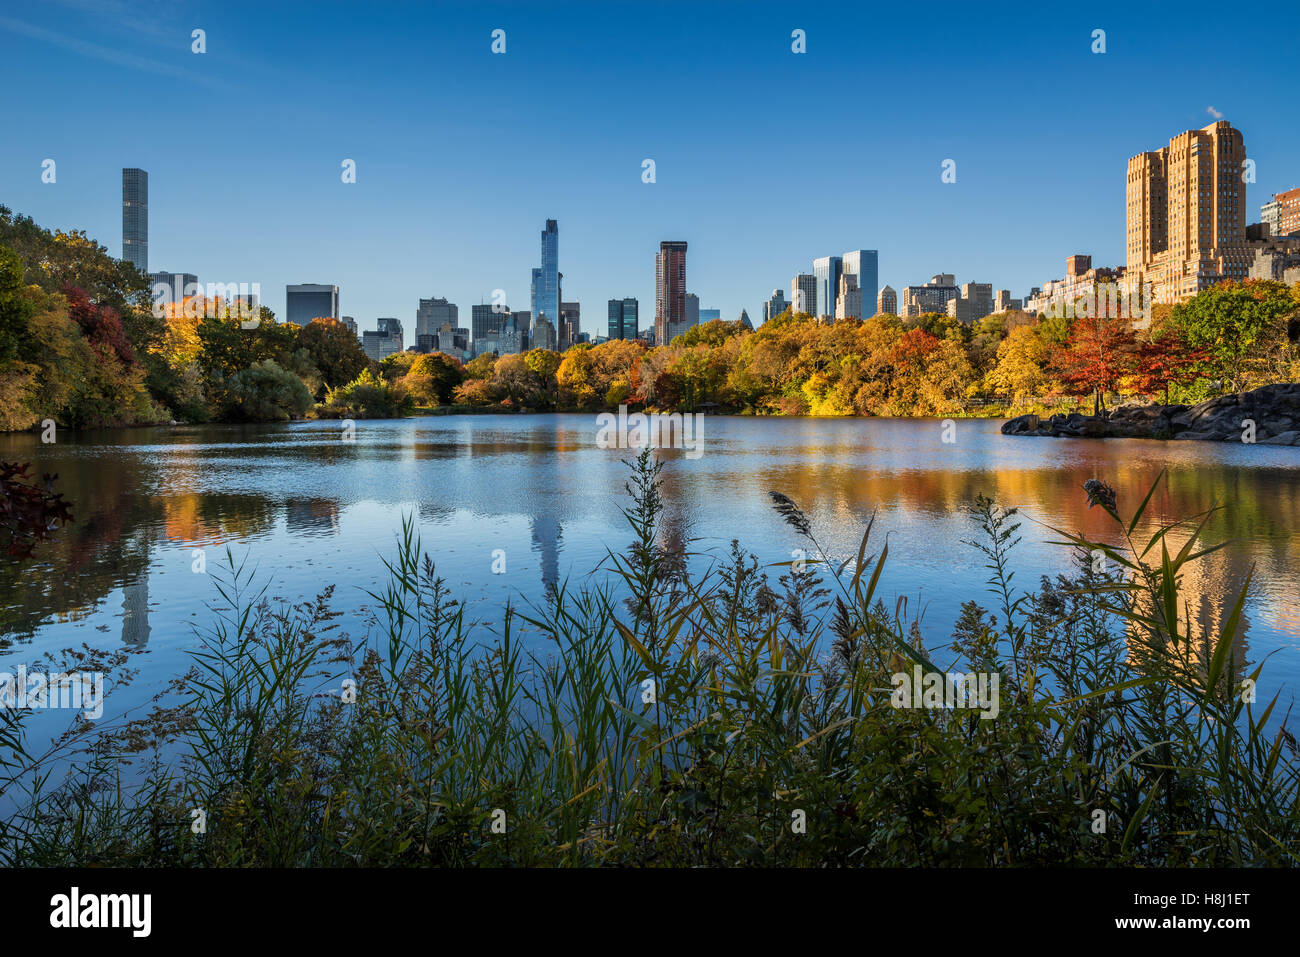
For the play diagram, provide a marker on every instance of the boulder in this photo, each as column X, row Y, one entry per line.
column 1285, row 438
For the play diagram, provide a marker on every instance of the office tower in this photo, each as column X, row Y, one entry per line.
column 887, row 301
column 179, row 285
column 775, row 305
column 135, row 218
column 432, row 314
column 932, row 296
column 384, row 340
column 744, row 320
column 848, row 298
column 452, row 341
column 543, row 334
column 623, row 318
column 524, row 323
column 570, row 324
column 350, row 324
column 513, row 338
column 803, row 292
column 485, row 323
column 691, row 317
column 708, row 315
column 863, row 265
column 827, row 273
column 546, row 278
column 1185, row 213
column 670, row 289
column 308, row 301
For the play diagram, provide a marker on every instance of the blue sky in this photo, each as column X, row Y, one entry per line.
column 765, row 159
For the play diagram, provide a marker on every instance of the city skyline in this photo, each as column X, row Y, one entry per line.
column 457, row 223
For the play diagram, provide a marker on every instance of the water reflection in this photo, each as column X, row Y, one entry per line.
column 538, row 488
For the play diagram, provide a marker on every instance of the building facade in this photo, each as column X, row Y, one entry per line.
column 864, row 266
column 307, row 301
column 887, row 301
column 775, row 305
column 826, row 272
column 432, row 314
column 974, row 303
column 179, row 285
column 803, row 293
column 135, row 218
column 848, row 299
column 670, row 289
column 383, row 340
column 932, row 296
column 546, row 278
column 1185, row 221
column 623, row 318
column 1288, row 213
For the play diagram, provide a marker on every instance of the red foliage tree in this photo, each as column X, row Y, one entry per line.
column 1101, row 350
column 101, row 324
column 1167, row 359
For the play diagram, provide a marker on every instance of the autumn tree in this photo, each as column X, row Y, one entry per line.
column 1100, row 352
column 333, row 350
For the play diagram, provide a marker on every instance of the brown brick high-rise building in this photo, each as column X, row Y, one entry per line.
column 670, row 290
column 1186, row 213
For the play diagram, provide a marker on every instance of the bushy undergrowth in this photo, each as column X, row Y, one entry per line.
column 737, row 716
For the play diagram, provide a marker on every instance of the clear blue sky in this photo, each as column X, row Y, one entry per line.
column 765, row 159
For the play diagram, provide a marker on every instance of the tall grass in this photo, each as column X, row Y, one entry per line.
column 735, row 716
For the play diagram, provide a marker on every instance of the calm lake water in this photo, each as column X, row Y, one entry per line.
column 309, row 510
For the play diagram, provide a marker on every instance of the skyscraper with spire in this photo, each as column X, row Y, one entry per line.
column 546, row 278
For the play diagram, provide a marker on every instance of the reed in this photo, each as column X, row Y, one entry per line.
column 737, row 715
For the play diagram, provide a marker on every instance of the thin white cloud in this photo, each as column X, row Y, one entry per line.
column 1214, row 113
column 107, row 54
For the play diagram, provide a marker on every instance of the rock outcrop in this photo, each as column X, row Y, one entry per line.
column 1274, row 411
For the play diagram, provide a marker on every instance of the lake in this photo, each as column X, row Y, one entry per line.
column 309, row 509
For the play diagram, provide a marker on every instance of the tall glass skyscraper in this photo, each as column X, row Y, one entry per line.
column 826, row 272
column 135, row 218
column 623, row 318
column 546, row 278
column 863, row 264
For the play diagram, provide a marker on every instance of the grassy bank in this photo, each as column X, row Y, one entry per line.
column 737, row 716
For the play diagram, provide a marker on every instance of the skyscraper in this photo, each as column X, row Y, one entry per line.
column 485, row 323
column 848, row 300
column 775, row 305
column 308, row 301
column 546, row 278
column 803, row 293
column 570, row 324
column 826, row 271
column 431, row 314
column 1185, row 213
column 670, row 289
column 887, row 301
column 623, row 318
column 383, row 341
column 863, row 265
column 135, row 218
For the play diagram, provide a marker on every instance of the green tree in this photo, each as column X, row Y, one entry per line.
column 1237, row 325
column 333, row 350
